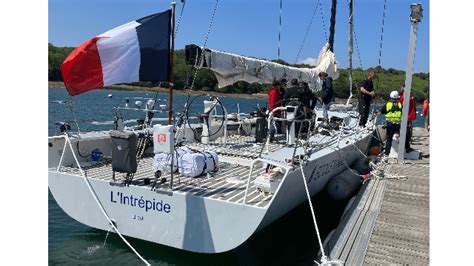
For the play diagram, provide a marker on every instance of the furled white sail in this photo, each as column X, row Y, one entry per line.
column 230, row 68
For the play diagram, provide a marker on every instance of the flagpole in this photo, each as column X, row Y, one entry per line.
column 171, row 76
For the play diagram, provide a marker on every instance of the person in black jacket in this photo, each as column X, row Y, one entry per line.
column 301, row 96
column 327, row 94
column 366, row 95
column 308, row 99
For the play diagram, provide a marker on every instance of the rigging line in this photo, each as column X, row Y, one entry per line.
column 357, row 47
column 322, row 20
column 94, row 195
column 381, row 35
column 279, row 30
column 307, row 31
column 179, row 19
column 355, row 36
column 71, row 107
column 324, row 258
column 186, row 103
column 351, row 46
column 205, row 43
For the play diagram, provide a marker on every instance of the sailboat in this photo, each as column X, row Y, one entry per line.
column 253, row 183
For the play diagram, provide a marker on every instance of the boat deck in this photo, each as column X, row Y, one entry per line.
column 213, row 185
column 239, row 146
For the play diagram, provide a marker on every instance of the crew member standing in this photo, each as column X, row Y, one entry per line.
column 274, row 98
column 393, row 116
column 283, row 83
column 308, row 99
column 411, row 117
column 426, row 112
column 327, row 95
column 274, row 101
column 366, row 95
column 295, row 96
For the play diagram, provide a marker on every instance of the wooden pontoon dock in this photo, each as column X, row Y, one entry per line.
column 389, row 221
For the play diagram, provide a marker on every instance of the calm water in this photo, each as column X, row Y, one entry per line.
column 290, row 240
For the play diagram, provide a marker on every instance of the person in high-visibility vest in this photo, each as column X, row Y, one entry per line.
column 393, row 117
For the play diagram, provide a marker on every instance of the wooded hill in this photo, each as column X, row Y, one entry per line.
column 387, row 79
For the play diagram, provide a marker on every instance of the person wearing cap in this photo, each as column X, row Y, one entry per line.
column 366, row 95
column 392, row 110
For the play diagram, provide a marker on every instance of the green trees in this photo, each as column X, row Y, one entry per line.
column 387, row 79
column 56, row 56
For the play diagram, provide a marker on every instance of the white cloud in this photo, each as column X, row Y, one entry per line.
column 309, row 61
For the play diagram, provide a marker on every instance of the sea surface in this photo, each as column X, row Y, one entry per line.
column 289, row 240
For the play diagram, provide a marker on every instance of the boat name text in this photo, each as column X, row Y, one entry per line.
column 324, row 169
column 148, row 205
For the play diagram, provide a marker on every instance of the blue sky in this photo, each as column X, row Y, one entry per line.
column 251, row 27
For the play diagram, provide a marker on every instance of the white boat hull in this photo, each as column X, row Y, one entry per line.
column 189, row 222
column 320, row 168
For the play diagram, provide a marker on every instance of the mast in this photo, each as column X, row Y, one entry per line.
column 171, row 76
column 171, row 79
column 350, row 50
column 332, row 27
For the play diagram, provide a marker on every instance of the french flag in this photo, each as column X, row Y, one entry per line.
column 136, row 51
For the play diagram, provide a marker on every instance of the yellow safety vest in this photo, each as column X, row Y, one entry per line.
column 394, row 113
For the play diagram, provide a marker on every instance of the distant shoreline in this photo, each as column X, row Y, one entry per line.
column 60, row 85
column 262, row 96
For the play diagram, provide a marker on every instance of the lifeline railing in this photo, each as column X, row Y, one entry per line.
column 271, row 122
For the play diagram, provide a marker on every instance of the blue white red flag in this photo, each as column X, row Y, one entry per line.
column 136, row 51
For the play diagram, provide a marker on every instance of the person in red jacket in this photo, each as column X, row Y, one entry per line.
column 426, row 112
column 274, row 101
column 274, row 96
column 411, row 117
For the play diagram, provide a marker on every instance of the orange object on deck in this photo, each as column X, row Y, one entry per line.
column 375, row 150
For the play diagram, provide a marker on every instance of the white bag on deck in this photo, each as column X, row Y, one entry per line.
column 212, row 161
column 162, row 161
column 199, row 163
column 191, row 164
